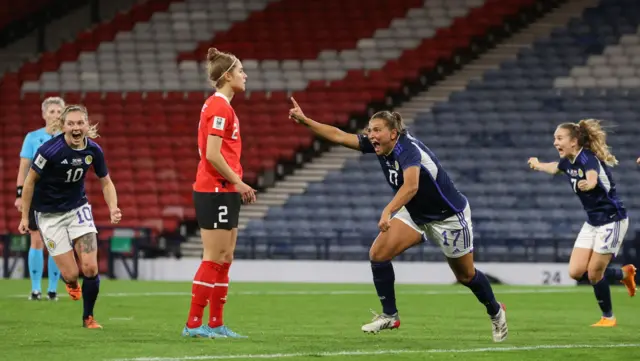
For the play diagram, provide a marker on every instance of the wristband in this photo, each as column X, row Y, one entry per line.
column 19, row 192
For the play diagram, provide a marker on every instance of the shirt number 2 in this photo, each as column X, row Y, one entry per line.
column 234, row 135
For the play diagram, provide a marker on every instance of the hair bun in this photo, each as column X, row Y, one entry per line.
column 212, row 54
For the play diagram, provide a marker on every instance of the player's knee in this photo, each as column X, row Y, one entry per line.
column 465, row 276
column 379, row 254
column 595, row 275
column 576, row 274
column 36, row 241
column 69, row 275
column 89, row 269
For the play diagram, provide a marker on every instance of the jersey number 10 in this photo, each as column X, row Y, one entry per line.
column 74, row 175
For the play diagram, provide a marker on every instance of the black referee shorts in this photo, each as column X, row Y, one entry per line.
column 217, row 210
column 33, row 225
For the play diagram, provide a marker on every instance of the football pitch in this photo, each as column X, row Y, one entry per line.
column 143, row 321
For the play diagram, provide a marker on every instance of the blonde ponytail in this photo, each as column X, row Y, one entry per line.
column 595, row 138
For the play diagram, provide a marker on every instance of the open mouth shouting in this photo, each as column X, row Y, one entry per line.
column 376, row 146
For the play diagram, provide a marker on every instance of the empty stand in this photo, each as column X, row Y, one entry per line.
column 484, row 136
column 135, row 77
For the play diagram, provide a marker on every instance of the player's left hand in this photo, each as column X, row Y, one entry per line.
column 583, row 185
column 23, row 228
column 385, row 221
column 296, row 113
column 116, row 216
column 638, row 161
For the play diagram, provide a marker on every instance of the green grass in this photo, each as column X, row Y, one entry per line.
column 144, row 319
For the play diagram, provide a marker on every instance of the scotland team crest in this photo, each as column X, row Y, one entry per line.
column 88, row 159
column 51, row 245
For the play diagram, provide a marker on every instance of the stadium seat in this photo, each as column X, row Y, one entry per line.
column 484, row 135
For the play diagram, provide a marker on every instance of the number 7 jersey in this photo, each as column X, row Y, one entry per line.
column 218, row 118
column 601, row 203
column 62, row 171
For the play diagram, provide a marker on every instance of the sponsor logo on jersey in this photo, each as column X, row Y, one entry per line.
column 76, row 162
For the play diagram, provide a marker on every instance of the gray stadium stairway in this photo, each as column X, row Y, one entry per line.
column 337, row 156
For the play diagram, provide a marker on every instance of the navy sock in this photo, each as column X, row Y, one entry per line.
column 481, row 287
column 613, row 274
column 603, row 295
column 90, row 289
column 384, row 279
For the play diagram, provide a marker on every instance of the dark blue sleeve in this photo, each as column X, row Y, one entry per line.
column 365, row 144
column 562, row 164
column 39, row 163
column 409, row 156
column 99, row 164
column 591, row 162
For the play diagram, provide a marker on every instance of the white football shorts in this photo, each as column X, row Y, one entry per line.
column 60, row 229
column 454, row 235
column 605, row 239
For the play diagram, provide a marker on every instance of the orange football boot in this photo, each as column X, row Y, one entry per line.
column 89, row 322
column 629, row 281
column 605, row 322
column 75, row 293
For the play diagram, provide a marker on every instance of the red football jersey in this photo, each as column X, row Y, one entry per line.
column 218, row 118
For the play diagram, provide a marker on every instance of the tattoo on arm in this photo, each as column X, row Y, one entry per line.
column 87, row 243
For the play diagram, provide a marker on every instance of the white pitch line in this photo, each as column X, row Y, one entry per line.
column 379, row 352
column 348, row 292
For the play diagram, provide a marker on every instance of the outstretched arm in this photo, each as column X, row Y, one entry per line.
column 328, row 132
column 551, row 168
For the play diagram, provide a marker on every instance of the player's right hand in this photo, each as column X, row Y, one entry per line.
column 18, row 204
column 116, row 215
column 24, row 226
column 296, row 113
column 533, row 162
column 247, row 193
column 638, row 161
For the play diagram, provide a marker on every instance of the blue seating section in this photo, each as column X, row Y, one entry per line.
column 483, row 136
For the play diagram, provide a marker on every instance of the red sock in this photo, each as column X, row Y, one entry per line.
column 219, row 297
column 201, row 291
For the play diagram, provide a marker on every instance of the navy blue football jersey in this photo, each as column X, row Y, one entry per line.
column 601, row 203
column 62, row 170
column 437, row 198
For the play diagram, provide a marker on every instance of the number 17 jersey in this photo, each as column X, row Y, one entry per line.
column 437, row 198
